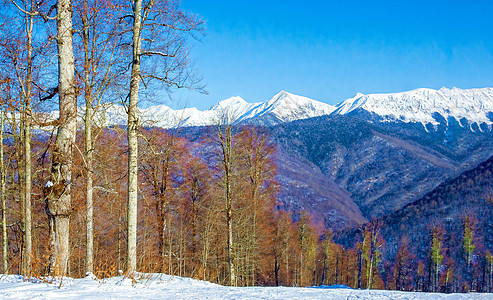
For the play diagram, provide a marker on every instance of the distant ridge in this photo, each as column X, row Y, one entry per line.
column 423, row 105
column 283, row 107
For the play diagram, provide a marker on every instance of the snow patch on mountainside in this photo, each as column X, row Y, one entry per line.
column 421, row 104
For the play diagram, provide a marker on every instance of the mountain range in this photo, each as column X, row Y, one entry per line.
column 425, row 106
column 366, row 157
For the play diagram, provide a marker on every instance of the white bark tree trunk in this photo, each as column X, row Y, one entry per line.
column 57, row 190
column 225, row 135
column 132, row 141
column 28, row 248
column 88, row 144
column 89, row 187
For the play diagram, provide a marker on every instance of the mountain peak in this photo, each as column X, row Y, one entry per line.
column 281, row 96
column 229, row 102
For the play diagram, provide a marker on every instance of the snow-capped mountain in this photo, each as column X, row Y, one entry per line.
column 283, row 107
column 286, row 107
column 420, row 105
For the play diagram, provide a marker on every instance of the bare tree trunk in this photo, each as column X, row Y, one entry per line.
column 225, row 140
column 369, row 284
column 491, row 276
column 436, row 277
column 28, row 248
column 231, row 263
column 5, row 240
column 88, row 145
column 89, row 185
column 132, row 141
column 57, row 190
column 360, row 266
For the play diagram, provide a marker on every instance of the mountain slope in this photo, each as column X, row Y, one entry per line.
column 383, row 170
column 303, row 186
column 469, row 194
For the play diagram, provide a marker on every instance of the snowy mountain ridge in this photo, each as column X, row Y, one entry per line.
column 283, row 107
column 420, row 105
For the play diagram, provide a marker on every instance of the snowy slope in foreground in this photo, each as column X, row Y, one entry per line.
column 419, row 105
column 158, row 286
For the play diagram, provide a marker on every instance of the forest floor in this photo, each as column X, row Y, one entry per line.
column 159, row 286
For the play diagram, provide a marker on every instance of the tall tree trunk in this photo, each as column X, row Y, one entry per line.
column 229, row 211
column 436, row 278
column 28, row 248
column 491, row 275
column 88, row 144
column 369, row 284
column 19, row 157
column 57, row 190
column 226, row 143
column 360, row 266
column 276, row 269
column 132, row 141
column 324, row 268
column 89, row 181
column 5, row 240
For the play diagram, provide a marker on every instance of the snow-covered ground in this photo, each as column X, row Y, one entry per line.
column 159, row 286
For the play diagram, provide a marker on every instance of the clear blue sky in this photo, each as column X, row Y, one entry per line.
column 330, row 50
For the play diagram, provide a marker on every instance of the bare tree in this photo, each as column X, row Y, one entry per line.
column 23, row 70
column 27, row 91
column 132, row 140
column 226, row 157
column 57, row 189
column 98, row 27
column 160, row 30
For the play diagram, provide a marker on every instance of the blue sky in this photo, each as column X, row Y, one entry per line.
column 330, row 50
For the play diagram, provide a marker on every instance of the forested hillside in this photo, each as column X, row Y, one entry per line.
column 383, row 166
column 448, row 234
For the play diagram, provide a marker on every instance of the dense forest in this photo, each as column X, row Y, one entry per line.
column 81, row 197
